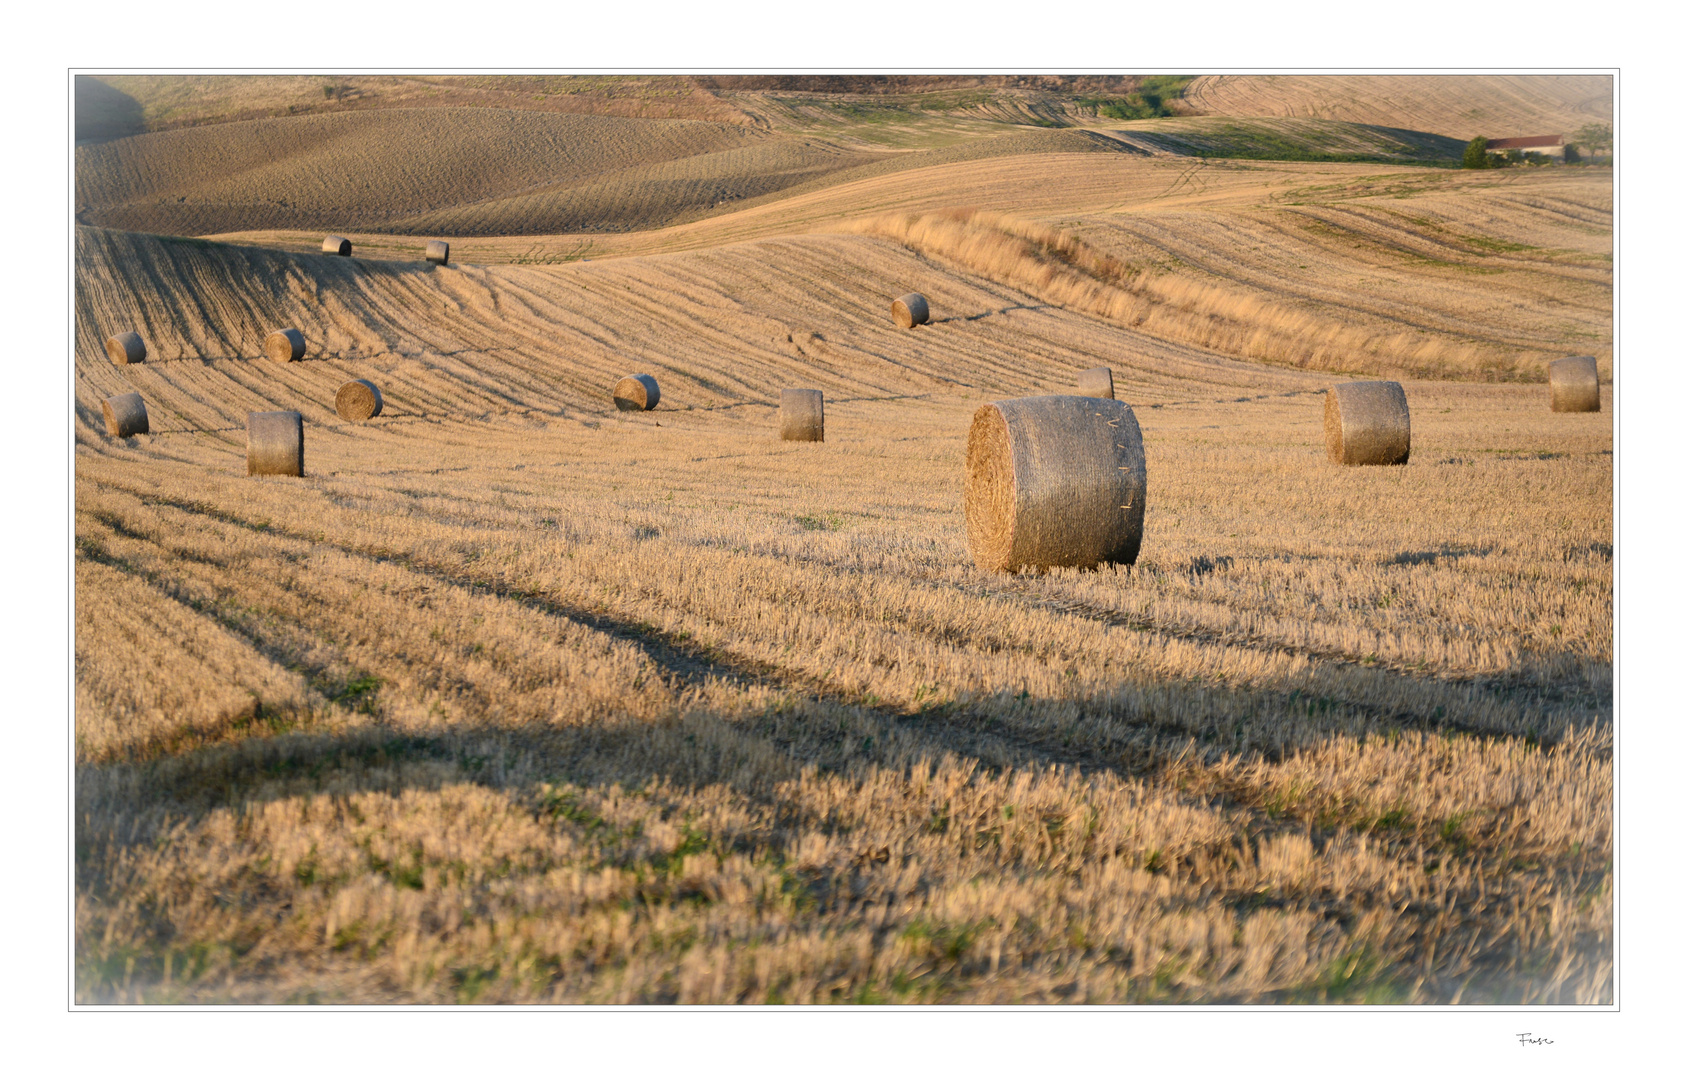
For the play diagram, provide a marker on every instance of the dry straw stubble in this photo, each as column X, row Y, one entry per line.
column 439, row 252
column 1096, row 382
column 1055, row 481
column 284, row 346
column 1367, row 423
column 910, row 311
column 275, row 443
column 336, row 245
column 359, row 399
column 637, row 393
column 802, row 416
column 126, row 348
column 1574, row 384
column 125, row 415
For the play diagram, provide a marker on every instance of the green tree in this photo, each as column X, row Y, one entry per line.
column 1595, row 138
column 1477, row 154
column 1571, row 155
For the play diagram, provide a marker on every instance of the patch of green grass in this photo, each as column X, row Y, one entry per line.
column 1360, row 977
column 357, row 693
column 1489, row 243
column 404, row 875
column 469, row 982
column 820, row 522
column 943, row 941
column 1153, row 97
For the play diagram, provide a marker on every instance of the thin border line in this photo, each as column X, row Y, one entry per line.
column 1318, row 1010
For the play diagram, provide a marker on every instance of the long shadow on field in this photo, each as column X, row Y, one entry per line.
column 128, row 808
column 988, row 314
column 105, row 112
column 124, row 812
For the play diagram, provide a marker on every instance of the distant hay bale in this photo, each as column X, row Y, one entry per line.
column 1054, row 481
column 336, row 245
column 125, row 415
column 1574, row 383
column 126, row 348
column 275, row 444
column 1367, row 423
column 802, row 416
column 637, row 393
column 910, row 311
column 284, row 346
column 1097, row 382
column 359, row 399
column 438, row 252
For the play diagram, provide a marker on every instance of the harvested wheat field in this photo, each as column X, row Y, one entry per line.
column 517, row 697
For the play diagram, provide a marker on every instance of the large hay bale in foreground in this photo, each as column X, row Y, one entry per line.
column 275, row 444
column 1055, row 481
column 438, row 252
column 336, row 245
column 910, row 311
column 284, row 346
column 1367, row 423
column 359, row 399
column 1574, row 384
column 637, row 393
column 126, row 348
column 1097, row 382
column 802, row 416
column 125, row 415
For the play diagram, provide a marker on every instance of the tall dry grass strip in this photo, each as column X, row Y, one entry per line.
column 802, row 416
column 126, row 348
column 284, row 346
column 336, row 245
column 637, row 393
column 1054, row 481
column 1574, row 384
column 1097, row 382
column 439, row 252
column 910, row 311
column 125, row 415
column 359, row 399
column 1367, row 423
column 275, row 444
column 1062, row 269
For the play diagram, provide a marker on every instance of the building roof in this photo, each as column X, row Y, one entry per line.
column 1527, row 142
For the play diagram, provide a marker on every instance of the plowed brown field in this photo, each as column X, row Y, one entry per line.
column 1460, row 106
column 347, row 170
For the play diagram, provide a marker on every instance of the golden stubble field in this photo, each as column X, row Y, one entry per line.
column 516, row 698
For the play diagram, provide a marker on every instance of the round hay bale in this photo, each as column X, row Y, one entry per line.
column 802, row 416
column 438, row 252
column 126, row 348
column 1367, row 423
column 637, row 393
column 336, row 245
column 1574, row 384
column 910, row 311
column 275, row 444
column 1097, row 382
column 359, row 399
column 284, row 346
column 1054, row 481
column 125, row 415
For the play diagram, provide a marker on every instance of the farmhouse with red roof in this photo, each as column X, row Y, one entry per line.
column 1551, row 145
